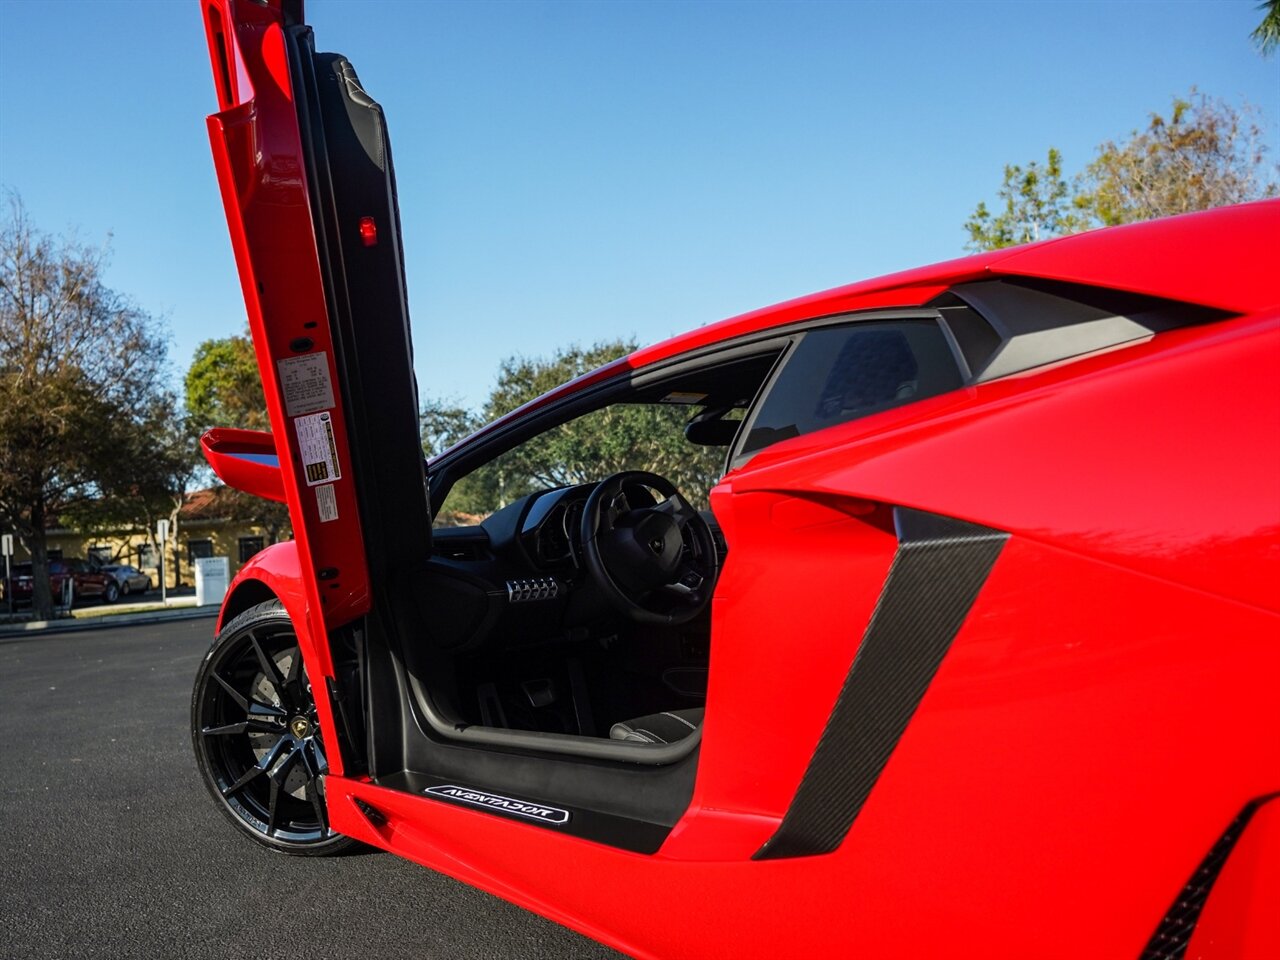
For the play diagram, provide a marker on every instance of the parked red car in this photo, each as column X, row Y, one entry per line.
column 975, row 652
column 86, row 580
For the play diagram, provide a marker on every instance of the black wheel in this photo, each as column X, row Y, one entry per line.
column 124, row 588
column 112, row 592
column 256, row 739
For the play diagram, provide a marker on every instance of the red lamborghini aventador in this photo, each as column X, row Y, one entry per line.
column 957, row 631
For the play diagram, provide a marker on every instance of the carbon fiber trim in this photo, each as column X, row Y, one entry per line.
column 936, row 574
column 1171, row 938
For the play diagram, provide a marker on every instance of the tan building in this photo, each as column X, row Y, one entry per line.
column 210, row 524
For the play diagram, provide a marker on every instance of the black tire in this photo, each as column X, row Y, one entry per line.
column 124, row 588
column 111, row 593
column 256, row 739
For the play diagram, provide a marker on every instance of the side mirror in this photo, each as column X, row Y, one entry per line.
column 246, row 460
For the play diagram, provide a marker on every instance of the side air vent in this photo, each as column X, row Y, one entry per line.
column 371, row 813
column 977, row 339
column 939, row 568
column 722, row 545
column 459, row 550
column 1006, row 326
column 1172, row 937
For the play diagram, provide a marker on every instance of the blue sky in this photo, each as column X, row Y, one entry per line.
column 581, row 171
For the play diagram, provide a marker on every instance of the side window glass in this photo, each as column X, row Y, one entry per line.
column 621, row 436
column 838, row 374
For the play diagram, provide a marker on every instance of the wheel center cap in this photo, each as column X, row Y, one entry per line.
column 300, row 726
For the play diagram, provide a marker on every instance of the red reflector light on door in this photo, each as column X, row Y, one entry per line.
column 368, row 231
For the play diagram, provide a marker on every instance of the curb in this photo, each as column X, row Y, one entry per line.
column 39, row 628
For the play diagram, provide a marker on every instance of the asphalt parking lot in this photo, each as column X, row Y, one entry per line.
column 110, row 847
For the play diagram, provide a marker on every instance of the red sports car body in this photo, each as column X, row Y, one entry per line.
column 976, row 651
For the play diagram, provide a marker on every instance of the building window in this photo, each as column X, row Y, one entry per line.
column 54, row 553
column 101, row 554
column 198, row 549
column 147, row 556
column 249, row 546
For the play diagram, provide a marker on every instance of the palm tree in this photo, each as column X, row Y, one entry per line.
column 1267, row 34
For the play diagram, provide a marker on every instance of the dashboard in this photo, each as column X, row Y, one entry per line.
column 550, row 528
column 518, row 577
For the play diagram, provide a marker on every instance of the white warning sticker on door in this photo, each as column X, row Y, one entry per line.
column 319, row 452
column 306, row 384
column 326, row 503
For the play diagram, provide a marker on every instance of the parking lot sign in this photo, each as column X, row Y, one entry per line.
column 162, row 534
column 6, row 548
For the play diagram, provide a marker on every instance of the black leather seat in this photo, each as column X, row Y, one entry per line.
column 666, row 727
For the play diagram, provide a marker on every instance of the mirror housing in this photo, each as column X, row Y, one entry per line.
column 246, row 460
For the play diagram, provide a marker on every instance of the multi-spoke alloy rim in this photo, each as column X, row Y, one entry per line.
column 256, row 727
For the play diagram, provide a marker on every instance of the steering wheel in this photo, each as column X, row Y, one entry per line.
column 656, row 563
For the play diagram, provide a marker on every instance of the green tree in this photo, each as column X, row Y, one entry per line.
column 224, row 389
column 156, row 470
column 1267, row 34
column 443, row 425
column 1204, row 154
column 82, row 372
column 521, row 379
column 1035, row 203
column 223, row 386
column 617, row 437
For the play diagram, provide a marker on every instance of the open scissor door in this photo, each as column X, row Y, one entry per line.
column 304, row 166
